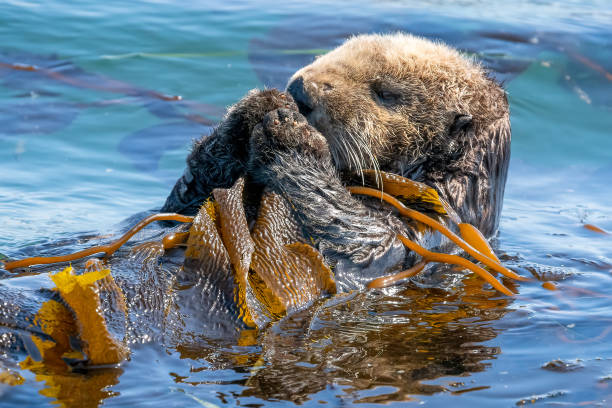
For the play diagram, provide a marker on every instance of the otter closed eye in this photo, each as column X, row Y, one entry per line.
column 386, row 97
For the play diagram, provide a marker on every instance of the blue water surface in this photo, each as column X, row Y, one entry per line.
column 96, row 135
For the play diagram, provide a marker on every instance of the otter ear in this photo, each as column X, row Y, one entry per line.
column 461, row 124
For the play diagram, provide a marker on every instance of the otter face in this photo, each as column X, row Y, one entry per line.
column 391, row 101
column 409, row 106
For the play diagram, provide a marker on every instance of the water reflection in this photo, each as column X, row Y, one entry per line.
column 356, row 341
column 77, row 389
column 362, row 341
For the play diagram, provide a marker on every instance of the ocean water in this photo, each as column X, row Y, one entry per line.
column 95, row 136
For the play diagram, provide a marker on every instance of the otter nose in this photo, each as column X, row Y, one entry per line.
column 300, row 96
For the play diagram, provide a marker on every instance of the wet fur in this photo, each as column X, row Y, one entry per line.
column 216, row 161
column 443, row 122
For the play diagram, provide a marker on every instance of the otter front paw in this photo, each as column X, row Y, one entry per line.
column 285, row 131
column 241, row 118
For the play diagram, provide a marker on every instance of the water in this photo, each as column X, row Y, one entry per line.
column 80, row 155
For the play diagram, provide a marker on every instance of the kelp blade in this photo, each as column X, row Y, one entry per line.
column 239, row 245
column 409, row 191
column 81, row 294
column 293, row 272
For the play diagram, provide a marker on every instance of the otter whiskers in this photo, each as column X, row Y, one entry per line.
column 356, row 152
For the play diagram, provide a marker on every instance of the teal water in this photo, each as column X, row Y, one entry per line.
column 85, row 149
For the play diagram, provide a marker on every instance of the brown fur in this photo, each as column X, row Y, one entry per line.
column 434, row 83
column 393, row 101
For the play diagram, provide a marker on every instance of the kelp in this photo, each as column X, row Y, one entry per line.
column 72, row 333
column 409, row 192
column 429, row 256
column 236, row 238
column 245, row 250
column 108, row 249
column 273, row 273
column 595, row 228
column 265, row 271
column 80, row 292
column 472, row 239
column 9, row 377
column 294, row 273
column 385, row 281
column 79, row 315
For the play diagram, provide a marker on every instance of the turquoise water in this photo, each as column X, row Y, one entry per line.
column 89, row 141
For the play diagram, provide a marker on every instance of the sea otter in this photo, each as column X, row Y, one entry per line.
column 396, row 103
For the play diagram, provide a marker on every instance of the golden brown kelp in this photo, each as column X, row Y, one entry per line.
column 294, row 272
column 409, row 192
column 261, row 275
column 207, row 258
column 268, row 271
column 271, row 258
column 79, row 315
column 108, row 249
column 73, row 332
column 10, row 377
column 476, row 245
column 250, row 275
column 238, row 243
column 386, row 281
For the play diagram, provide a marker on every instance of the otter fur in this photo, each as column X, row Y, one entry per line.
column 396, row 103
column 413, row 107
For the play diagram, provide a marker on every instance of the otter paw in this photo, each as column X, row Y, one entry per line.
column 241, row 118
column 286, row 131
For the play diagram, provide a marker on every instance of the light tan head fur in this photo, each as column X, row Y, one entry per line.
column 384, row 99
column 418, row 108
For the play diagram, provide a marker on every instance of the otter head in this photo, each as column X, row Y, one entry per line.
column 410, row 106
